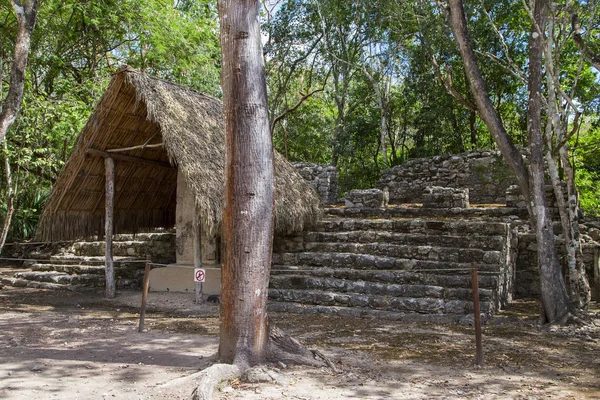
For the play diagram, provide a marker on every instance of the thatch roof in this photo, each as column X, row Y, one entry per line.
column 137, row 109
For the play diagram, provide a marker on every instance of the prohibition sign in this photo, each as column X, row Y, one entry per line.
column 199, row 275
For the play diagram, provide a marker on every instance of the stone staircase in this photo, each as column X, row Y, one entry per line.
column 80, row 265
column 397, row 262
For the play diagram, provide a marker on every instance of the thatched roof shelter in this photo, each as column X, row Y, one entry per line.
column 152, row 128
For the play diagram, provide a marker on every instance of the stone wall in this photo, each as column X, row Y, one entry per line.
column 323, row 178
column 484, row 173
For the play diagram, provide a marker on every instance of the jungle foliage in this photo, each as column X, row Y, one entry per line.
column 364, row 85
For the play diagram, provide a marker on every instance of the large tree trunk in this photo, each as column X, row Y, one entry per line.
column 26, row 11
column 246, row 339
column 249, row 188
column 555, row 301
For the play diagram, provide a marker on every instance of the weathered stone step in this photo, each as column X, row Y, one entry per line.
column 89, row 280
column 420, row 212
column 384, row 303
column 131, row 248
column 149, row 236
column 93, row 260
column 360, row 312
column 454, row 280
column 372, row 262
column 60, row 278
column 421, row 226
column 375, row 288
column 445, row 254
column 17, row 282
column 120, row 271
column 471, row 241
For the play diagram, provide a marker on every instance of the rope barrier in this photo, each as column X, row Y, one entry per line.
column 487, row 273
column 160, row 265
column 70, row 260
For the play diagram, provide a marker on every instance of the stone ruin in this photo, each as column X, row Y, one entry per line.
column 484, row 173
column 408, row 259
column 323, row 178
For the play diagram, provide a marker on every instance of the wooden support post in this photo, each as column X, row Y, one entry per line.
column 198, row 255
column 144, row 293
column 477, row 317
column 109, row 166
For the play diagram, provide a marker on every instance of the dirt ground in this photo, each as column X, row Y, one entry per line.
column 63, row 345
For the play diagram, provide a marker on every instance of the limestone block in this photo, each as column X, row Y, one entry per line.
column 443, row 197
column 369, row 198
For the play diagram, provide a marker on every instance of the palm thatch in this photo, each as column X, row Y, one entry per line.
column 153, row 128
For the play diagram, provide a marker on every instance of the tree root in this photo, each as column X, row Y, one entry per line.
column 211, row 377
column 281, row 347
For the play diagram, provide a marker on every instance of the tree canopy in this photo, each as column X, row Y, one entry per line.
column 362, row 85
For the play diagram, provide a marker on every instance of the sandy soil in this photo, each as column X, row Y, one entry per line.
column 59, row 345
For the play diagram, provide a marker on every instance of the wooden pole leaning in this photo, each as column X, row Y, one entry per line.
column 477, row 316
column 145, row 287
column 109, row 167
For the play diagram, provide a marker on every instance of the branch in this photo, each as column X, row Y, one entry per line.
column 450, row 88
column 457, row 21
column 566, row 139
column 512, row 69
column 594, row 59
column 294, row 108
column 514, row 65
column 26, row 17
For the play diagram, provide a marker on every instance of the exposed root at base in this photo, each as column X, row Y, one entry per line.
column 211, row 377
column 281, row 348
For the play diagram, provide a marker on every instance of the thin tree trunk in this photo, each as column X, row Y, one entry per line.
column 555, row 300
column 249, row 190
column 556, row 126
column 10, row 202
column 566, row 225
column 383, row 124
column 554, row 295
column 473, row 129
column 583, row 285
column 26, row 11
column 109, row 166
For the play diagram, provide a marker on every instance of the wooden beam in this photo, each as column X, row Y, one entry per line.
column 123, row 157
column 141, row 146
column 109, row 166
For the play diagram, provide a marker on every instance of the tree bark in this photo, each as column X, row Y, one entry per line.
column 554, row 295
column 555, row 300
column 26, row 11
column 109, row 166
column 249, row 187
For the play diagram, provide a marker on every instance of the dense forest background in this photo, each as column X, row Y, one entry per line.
column 363, row 85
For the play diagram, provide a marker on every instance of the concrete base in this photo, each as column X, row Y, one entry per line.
column 180, row 278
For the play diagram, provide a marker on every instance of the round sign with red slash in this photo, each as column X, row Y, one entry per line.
column 199, row 275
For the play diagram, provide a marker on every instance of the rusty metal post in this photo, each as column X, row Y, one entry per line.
column 144, row 293
column 596, row 273
column 477, row 316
